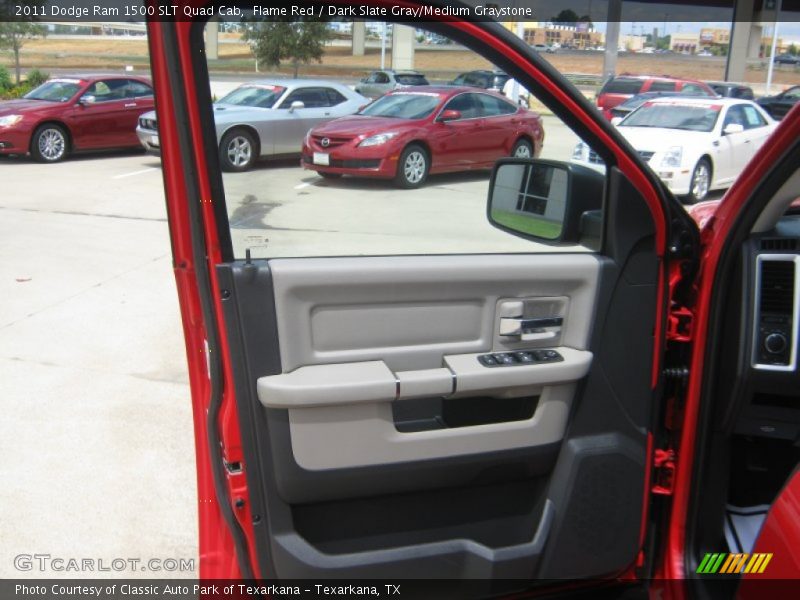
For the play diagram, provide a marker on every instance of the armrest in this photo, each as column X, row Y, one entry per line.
column 373, row 381
column 324, row 385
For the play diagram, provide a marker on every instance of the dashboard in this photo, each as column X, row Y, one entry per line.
column 765, row 384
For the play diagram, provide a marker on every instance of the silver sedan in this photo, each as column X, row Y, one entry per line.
column 267, row 118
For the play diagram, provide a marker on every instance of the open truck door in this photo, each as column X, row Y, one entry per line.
column 485, row 415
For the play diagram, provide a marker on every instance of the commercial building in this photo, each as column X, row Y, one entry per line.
column 581, row 35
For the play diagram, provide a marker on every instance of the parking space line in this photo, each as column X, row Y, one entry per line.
column 134, row 173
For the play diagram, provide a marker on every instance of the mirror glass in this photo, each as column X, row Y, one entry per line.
column 530, row 198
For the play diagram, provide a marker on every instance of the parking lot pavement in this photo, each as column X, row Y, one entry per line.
column 96, row 435
column 97, row 430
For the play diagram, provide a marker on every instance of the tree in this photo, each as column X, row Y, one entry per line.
column 14, row 34
column 794, row 50
column 566, row 17
column 298, row 42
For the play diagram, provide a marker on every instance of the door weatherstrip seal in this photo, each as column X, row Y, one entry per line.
column 205, row 292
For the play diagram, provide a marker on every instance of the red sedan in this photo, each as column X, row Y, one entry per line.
column 75, row 113
column 407, row 134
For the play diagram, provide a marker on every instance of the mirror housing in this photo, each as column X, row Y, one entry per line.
column 297, row 104
column 449, row 115
column 87, row 99
column 549, row 201
column 616, row 120
column 733, row 128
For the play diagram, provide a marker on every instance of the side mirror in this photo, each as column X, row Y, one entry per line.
column 733, row 128
column 546, row 200
column 87, row 99
column 296, row 105
column 449, row 115
column 616, row 120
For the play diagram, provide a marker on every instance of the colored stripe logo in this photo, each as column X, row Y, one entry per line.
column 734, row 563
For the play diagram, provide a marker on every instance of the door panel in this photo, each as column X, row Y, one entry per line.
column 362, row 400
column 394, row 334
column 102, row 124
column 410, row 311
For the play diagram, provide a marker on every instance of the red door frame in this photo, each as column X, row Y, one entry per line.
column 714, row 235
column 217, row 550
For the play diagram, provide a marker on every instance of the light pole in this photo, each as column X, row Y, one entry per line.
column 383, row 47
column 774, row 44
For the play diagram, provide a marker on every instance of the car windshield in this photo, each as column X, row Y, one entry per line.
column 634, row 102
column 688, row 117
column 260, row 96
column 55, row 91
column 410, row 79
column 401, row 105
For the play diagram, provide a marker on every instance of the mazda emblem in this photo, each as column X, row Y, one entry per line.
column 325, row 142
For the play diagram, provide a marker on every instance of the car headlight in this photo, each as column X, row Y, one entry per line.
column 10, row 120
column 672, row 157
column 581, row 151
column 307, row 139
column 377, row 140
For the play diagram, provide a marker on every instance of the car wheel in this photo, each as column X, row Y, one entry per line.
column 238, row 150
column 701, row 182
column 412, row 168
column 49, row 144
column 522, row 149
column 329, row 175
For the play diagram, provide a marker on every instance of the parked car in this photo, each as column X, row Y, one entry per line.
column 726, row 89
column 378, row 83
column 544, row 48
column 488, row 80
column 694, row 144
column 267, row 118
column 618, row 89
column 74, row 114
column 408, row 134
column 780, row 104
column 787, row 59
column 625, row 108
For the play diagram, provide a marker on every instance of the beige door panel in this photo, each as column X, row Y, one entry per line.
column 358, row 334
column 358, row 435
column 410, row 311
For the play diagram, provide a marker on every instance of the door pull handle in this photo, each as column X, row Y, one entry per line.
column 542, row 328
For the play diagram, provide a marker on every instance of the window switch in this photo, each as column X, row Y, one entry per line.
column 487, row 360
column 524, row 357
column 505, row 359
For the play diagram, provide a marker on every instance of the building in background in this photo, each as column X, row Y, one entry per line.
column 581, row 36
column 632, row 43
column 684, row 42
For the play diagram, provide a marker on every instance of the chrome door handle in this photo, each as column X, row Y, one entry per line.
column 130, row 105
column 542, row 328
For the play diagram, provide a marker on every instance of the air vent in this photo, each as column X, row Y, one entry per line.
column 777, row 287
column 778, row 311
column 779, row 244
